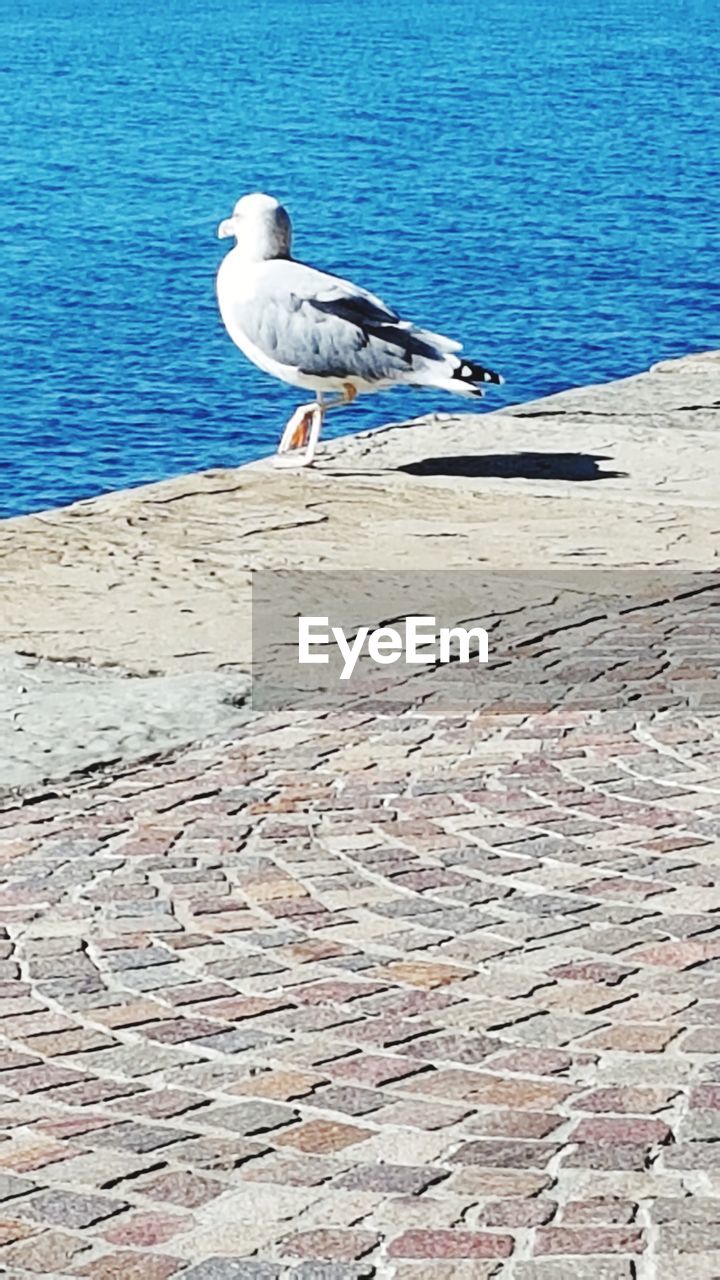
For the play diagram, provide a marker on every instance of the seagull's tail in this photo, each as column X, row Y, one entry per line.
column 452, row 373
column 467, row 377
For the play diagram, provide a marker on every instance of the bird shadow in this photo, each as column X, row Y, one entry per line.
column 517, row 466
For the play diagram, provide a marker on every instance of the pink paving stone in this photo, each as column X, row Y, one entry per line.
column 237, row 1008
column 129, row 1265
column 33, row 1079
column 408, row 1003
column 162, row 1104
column 706, row 1097
column 146, row 1229
column 562, row 1240
column 622, row 886
column 10, row 1059
column 443, row 1244
column 367, row 1069
column 11, row 1231
column 537, row 1062
column 64, row 1126
column 332, row 992
column 605, row 1211
column 677, row 955
column 592, row 971
column 515, row 1124
column 327, row 1245
column 183, row 1029
column 621, row 1132
column 626, row 1100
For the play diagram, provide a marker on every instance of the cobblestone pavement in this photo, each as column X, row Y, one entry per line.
column 359, row 994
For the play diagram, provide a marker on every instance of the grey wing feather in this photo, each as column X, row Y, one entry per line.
column 328, row 327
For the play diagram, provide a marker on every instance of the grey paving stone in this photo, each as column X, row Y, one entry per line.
column 68, row 1209
column 249, row 1118
column 233, row 1269
column 11, row 1187
column 136, row 1137
column 331, row 1271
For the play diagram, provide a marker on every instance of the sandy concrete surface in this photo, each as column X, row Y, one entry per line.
column 155, row 581
column 64, row 716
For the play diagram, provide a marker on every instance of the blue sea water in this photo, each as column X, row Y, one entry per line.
column 536, row 177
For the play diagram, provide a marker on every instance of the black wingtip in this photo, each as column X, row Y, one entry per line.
column 470, row 374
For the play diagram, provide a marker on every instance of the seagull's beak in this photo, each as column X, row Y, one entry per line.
column 226, row 228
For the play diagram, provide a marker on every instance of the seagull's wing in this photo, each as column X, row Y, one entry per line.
column 321, row 325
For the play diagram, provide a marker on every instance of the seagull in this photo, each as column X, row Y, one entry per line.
column 320, row 332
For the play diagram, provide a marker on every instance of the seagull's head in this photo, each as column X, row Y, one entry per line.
column 261, row 227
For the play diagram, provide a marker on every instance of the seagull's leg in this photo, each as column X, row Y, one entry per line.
column 348, row 395
column 300, row 437
column 297, row 429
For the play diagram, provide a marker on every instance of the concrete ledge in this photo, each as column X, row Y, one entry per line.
column 155, row 581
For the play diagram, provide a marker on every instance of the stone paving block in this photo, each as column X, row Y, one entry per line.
column 248, row 1118
column 161, row 1104
column 457, row 1269
column 12, row 1230
column 29, row 1156
column 328, row 1245
column 144, row 1229
column 391, row 1179
column 500, row 1183
column 67, row 1209
column 350, row 1100
column 690, row 1238
column 234, row 1269
column 322, row 1136
column 11, row 1187
column 598, row 1210
column 621, row 1132
column 515, row 1124
column 588, row 1240
column 450, row 1244
column 130, row 1265
column 693, row 1155
column 506, row 1154
column 513, row 1214
column 95, row 1169
column 135, row 1060
column 332, row 1271
column 139, row 1138
column 181, row 1187
column 52, row 1253
column 217, row 1152
column 292, row 1170
column 596, row 1268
